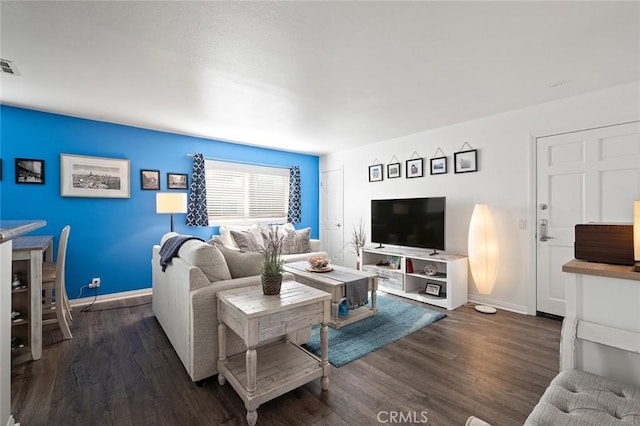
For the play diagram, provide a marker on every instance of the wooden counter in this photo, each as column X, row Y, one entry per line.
column 625, row 272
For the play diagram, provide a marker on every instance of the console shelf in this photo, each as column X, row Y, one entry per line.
column 445, row 285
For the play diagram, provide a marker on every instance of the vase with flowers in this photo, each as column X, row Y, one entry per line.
column 358, row 239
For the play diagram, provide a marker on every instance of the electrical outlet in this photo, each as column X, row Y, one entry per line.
column 94, row 283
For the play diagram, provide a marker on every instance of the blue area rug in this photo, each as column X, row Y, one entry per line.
column 395, row 319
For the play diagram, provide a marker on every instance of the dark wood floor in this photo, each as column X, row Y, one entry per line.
column 120, row 369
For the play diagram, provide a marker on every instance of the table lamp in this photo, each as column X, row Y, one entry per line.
column 168, row 202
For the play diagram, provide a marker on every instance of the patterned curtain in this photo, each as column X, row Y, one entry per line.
column 294, row 214
column 197, row 210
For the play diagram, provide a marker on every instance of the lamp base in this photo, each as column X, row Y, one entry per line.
column 485, row 309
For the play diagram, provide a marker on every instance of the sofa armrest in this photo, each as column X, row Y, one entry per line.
column 315, row 245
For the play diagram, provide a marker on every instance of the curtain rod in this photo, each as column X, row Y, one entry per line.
column 248, row 163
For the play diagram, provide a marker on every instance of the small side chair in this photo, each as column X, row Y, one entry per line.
column 55, row 304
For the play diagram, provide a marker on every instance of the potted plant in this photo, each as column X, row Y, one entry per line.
column 271, row 271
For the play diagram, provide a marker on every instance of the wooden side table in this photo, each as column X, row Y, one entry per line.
column 283, row 365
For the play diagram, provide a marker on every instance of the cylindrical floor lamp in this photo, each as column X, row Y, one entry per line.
column 483, row 252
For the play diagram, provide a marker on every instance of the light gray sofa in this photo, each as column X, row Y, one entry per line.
column 184, row 300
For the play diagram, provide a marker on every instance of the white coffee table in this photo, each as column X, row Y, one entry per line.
column 268, row 371
column 337, row 289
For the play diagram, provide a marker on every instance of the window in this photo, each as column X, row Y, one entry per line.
column 245, row 193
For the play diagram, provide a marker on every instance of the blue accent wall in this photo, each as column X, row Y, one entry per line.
column 113, row 238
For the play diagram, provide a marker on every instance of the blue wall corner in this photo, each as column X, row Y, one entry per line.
column 113, row 238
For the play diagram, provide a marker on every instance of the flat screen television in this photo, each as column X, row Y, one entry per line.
column 411, row 222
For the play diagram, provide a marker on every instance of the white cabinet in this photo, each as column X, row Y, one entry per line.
column 438, row 279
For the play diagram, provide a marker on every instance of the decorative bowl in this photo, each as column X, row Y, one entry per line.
column 318, row 262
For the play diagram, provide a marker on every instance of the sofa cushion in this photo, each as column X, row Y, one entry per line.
column 297, row 242
column 206, row 257
column 245, row 240
column 242, row 264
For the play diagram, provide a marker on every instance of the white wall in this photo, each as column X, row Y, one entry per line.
column 503, row 181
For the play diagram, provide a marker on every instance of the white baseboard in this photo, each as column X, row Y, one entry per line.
column 111, row 297
column 518, row 309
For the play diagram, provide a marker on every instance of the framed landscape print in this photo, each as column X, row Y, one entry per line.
column 29, row 171
column 438, row 165
column 98, row 177
column 466, row 161
column 393, row 170
column 150, row 179
column 375, row 173
column 414, row 168
column 177, row 181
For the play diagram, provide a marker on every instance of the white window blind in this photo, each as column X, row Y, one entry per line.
column 246, row 193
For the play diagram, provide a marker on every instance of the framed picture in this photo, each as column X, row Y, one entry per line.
column 433, row 289
column 438, row 165
column 98, row 177
column 150, row 179
column 414, row 168
column 177, row 181
column 394, row 262
column 29, row 171
column 375, row 173
column 466, row 161
column 393, row 170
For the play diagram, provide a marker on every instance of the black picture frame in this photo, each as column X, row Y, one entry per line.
column 394, row 170
column 30, row 171
column 466, row 161
column 375, row 173
column 177, row 180
column 149, row 180
column 438, row 165
column 433, row 289
column 414, row 168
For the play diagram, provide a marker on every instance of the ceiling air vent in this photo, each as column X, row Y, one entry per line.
column 8, row 67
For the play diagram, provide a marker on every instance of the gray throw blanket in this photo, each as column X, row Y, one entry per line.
column 171, row 247
column 357, row 293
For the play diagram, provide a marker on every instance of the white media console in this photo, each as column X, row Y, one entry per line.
column 401, row 271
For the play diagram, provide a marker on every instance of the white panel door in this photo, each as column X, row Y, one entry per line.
column 586, row 176
column 333, row 215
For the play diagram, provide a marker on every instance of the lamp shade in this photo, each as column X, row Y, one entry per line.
column 636, row 231
column 483, row 249
column 170, row 202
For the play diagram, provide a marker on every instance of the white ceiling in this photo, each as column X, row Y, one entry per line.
column 311, row 77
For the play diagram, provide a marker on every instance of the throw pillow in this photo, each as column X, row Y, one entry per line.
column 227, row 238
column 245, row 240
column 242, row 264
column 206, row 257
column 297, row 242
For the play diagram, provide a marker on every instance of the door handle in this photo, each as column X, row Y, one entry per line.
column 544, row 228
